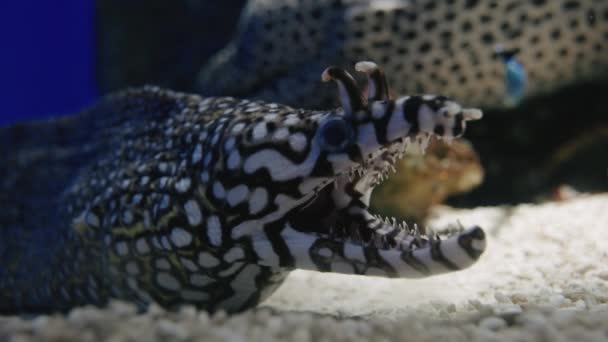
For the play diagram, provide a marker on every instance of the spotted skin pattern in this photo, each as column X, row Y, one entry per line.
column 449, row 47
column 212, row 201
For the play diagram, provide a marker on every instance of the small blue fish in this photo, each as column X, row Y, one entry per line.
column 515, row 77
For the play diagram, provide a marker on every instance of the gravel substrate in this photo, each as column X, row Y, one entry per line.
column 544, row 277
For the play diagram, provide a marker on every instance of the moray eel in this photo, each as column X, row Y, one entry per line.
column 447, row 47
column 159, row 196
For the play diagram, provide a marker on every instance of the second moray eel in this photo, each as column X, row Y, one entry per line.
column 448, row 47
column 160, row 196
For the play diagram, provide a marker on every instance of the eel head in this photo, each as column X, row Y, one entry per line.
column 311, row 175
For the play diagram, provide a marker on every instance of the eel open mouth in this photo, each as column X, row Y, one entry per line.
column 343, row 207
column 336, row 219
column 339, row 218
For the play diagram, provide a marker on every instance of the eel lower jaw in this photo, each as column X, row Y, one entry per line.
column 335, row 232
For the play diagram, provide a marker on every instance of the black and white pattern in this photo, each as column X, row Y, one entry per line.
column 211, row 201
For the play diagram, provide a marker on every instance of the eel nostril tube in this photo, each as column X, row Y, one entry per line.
column 377, row 87
column 351, row 97
column 472, row 114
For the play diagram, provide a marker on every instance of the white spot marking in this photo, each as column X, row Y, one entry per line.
column 216, row 136
column 207, row 260
column 281, row 134
column 141, row 245
column 121, row 248
column 234, row 160
column 167, row 281
column 270, row 117
column 258, row 200
column 127, row 217
column 92, row 220
column 156, row 242
column 232, row 269
column 208, row 158
column 378, row 110
column 197, row 154
column 235, row 253
column 163, row 167
column 298, row 142
column 183, row 185
column 137, row 198
column 237, row 128
column 200, row 280
column 193, row 212
column 125, row 184
column 218, row 190
column 165, row 242
column 260, row 131
column 325, row 252
column 291, row 120
column 180, row 237
column 144, row 180
column 189, row 264
column 229, row 144
column 237, row 195
column 164, row 202
column 214, row 230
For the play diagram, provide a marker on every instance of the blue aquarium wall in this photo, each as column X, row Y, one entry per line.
column 47, row 59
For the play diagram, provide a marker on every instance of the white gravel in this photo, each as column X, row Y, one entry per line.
column 544, row 277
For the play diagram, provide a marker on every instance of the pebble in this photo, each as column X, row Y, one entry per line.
column 501, row 298
column 492, row 323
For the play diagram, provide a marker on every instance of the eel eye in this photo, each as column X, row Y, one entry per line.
column 335, row 134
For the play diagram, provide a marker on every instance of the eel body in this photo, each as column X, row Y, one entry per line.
column 449, row 47
column 158, row 196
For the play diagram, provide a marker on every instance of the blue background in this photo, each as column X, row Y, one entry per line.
column 47, row 58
